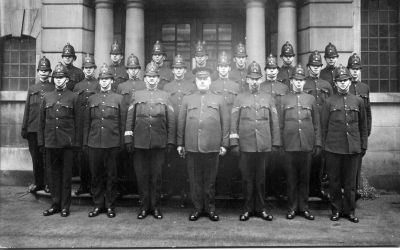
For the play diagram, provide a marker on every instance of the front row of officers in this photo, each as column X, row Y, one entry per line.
column 200, row 123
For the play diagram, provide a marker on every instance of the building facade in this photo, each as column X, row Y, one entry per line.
column 30, row 29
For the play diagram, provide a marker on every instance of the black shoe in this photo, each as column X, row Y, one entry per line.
column 244, row 216
column 352, row 218
column 47, row 189
column 142, row 214
column 308, row 215
column 33, row 188
column 110, row 212
column 290, row 215
column 335, row 216
column 213, row 216
column 194, row 216
column 65, row 212
column 265, row 216
column 157, row 214
column 51, row 211
column 96, row 211
column 81, row 190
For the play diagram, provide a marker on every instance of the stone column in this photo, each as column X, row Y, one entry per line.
column 104, row 31
column 134, row 35
column 287, row 26
column 255, row 31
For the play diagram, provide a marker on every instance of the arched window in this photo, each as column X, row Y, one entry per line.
column 17, row 63
column 379, row 44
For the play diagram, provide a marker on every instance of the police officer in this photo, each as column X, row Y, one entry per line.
column 301, row 133
column 57, row 133
column 75, row 74
column 117, row 66
column 103, row 139
column 321, row 90
column 158, row 56
column 238, row 73
column 345, row 137
column 254, row 130
column 126, row 171
column 287, row 56
column 331, row 57
column 229, row 171
column 360, row 89
column 179, row 87
column 30, row 124
column 84, row 89
column 201, row 58
column 150, row 129
column 203, row 134
column 273, row 86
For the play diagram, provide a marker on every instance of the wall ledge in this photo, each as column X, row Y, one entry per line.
column 385, row 97
column 16, row 96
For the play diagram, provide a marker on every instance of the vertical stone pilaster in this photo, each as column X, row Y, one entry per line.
column 134, row 35
column 287, row 26
column 104, row 33
column 255, row 31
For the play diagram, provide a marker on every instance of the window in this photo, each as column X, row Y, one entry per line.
column 379, row 44
column 218, row 38
column 176, row 40
column 17, row 62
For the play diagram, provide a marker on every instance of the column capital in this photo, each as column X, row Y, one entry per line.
column 286, row 3
column 134, row 4
column 104, row 4
column 255, row 3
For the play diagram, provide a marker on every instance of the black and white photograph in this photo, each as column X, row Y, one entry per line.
column 199, row 124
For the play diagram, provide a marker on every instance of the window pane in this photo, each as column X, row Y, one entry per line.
column 374, row 85
column 393, row 44
column 373, row 44
column 170, row 50
column 14, row 57
column 394, row 86
column 364, row 17
column 24, row 57
column 209, row 32
column 14, row 71
column 374, row 72
column 184, row 50
column 364, row 72
column 384, row 86
column 373, row 30
column 393, row 29
column 383, row 30
column 23, row 84
column 383, row 58
column 32, row 70
column 383, row 17
column 13, row 84
column 364, row 30
column 383, row 44
column 364, row 44
column 6, row 70
column 183, row 32
column 373, row 17
column 393, row 72
column 393, row 17
column 373, row 58
column 384, row 72
column 224, row 32
column 168, row 32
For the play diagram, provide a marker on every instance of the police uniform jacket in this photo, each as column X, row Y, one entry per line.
column 239, row 76
column 178, row 89
column 165, row 74
column 344, row 124
column 103, row 121
column 36, row 93
column 284, row 74
column 327, row 74
column 275, row 88
column 84, row 89
column 75, row 75
column 318, row 88
column 254, row 122
column 120, row 74
column 128, row 88
column 150, row 122
column 58, row 119
column 362, row 90
column 300, row 122
column 227, row 88
column 203, row 123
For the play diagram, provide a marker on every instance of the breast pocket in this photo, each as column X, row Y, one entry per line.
column 335, row 112
column 192, row 112
column 213, row 109
column 67, row 111
column 305, row 112
column 34, row 98
column 290, row 113
column 264, row 112
column 324, row 93
column 157, row 109
column 352, row 112
column 245, row 112
column 94, row 110
column 141, row 109
column 111, row 110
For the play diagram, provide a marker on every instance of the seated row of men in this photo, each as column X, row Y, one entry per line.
column 201, row 122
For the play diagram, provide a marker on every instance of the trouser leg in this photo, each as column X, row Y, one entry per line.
column 111, row 170
column 37, row 160
column 291, row 180
column 210, row 166
column 259, row 181
column 142, row 168
column 304, row 164
column 67, row 162
column 84, row 170
column 334, row 162
column 157, row 159
column 195, row 180
column 245, row 166
column 54, row 161
column 96, row 161
column 359, row 184
column 350, row 174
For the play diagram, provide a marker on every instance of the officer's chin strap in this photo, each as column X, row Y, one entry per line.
column 312, row 73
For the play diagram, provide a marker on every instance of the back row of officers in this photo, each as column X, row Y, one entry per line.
column 199, row 120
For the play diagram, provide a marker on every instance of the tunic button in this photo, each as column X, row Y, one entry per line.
column 102, row 110
column 56, row 127
column 150, row 125
column 56, row 118
column 102, row 127
column 57, row 110
column 102, row 102
column 299, row 129
column 58, row 102
column 102, row 119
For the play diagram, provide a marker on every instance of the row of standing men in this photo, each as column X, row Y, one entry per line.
column 99, row 126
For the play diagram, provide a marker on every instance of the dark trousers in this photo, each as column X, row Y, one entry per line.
column 228, row 176
column 176, row 176
column 126, row 173
column 297, row 168
column 148, row 166
column 40, row 174
column 252, row 167
column 316, row 174
column 59, row 162
column 103, row 167
column 342, row 172
column 202, row 171
column 359, row 184
column 84, row 170
column 275, row 174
